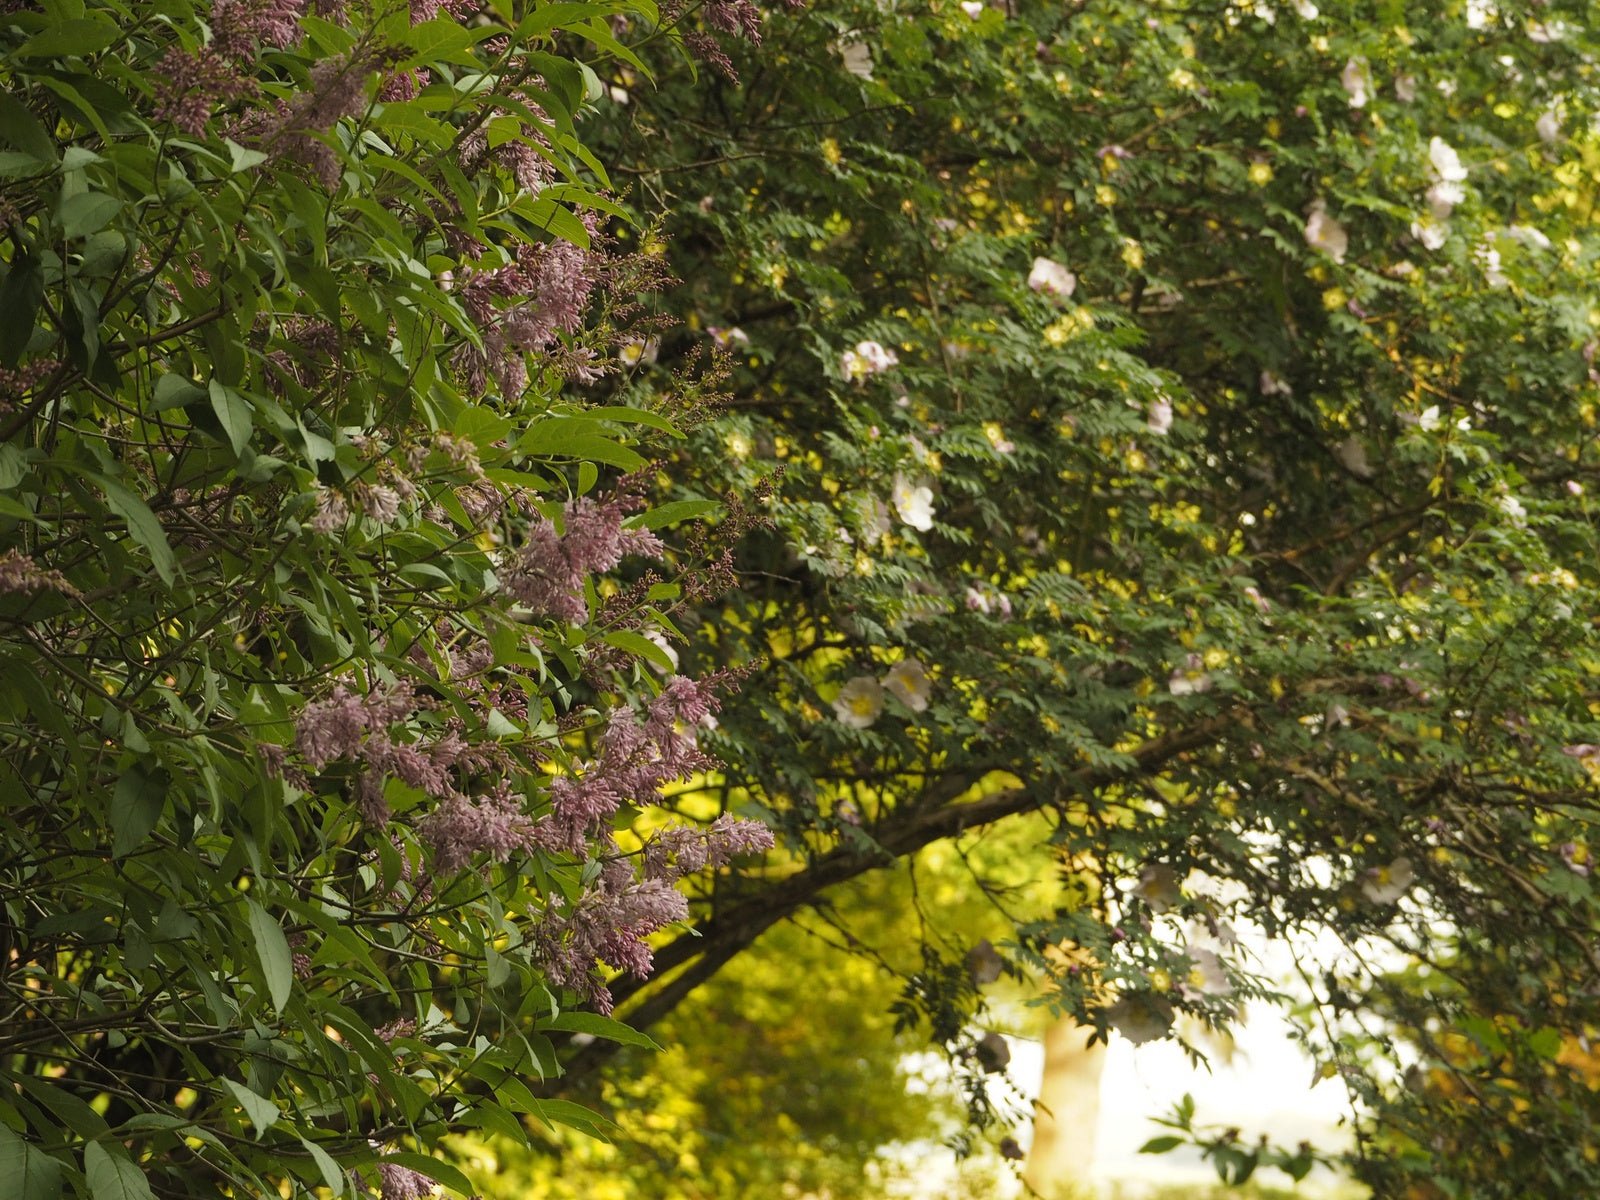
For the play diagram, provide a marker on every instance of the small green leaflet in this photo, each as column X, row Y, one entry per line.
column 263, row 1113
column 136, row 807
column 113, row 1175
column 272, row 948
column 142, row 524
column 597, row 1026
column 234, row 414
column 26, row 1167
column 86, row 213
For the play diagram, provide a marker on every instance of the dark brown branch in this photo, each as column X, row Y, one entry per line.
column 718, row 938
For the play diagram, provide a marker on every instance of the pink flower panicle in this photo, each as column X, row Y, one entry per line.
column 332, row 514
column 189, row 87
column 636, row 758
column 683, row 850
column 379, row 501
column 547, row 572
column 398, row 1028
column 402, row 1183
column 238, row 26
column 427, row 10
column 550, row 284
column 331, row 728
column 20, row 575
column 460, row 828
column 607, row 924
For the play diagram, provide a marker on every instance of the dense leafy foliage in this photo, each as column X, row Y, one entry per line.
column 1185, row 414
column 322, row 690
column 1171, row 423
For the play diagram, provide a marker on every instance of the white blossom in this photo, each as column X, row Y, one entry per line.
column 1051, row 278
column 1352, row 455
column 1405, row 88
column 1489, row 258
column 859, row 703
column 1158, row 887
column 1271, row 384
column 1191, row 678
column 907, row 681
column 1206, row 974
column 913, row 503
column 1356, row 81
column 864, row 359
column 1527, row 235
column 1430, row 232
column 857, row 57
column 1324, row 233
column 973, row 8
column 1446, row 162
column 1140, row 1018
column 1443, row 197
column 1548, row 127
column 1385, row 885
column 1159, row 419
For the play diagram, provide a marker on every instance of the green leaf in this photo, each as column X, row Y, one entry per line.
column 640, row 647
column 21, row 129
column 439, row 1172
column 501, row 726
column 142, row 524
column 272, row 949
column 1161, row 1145
column 29, row 1173
column 597, row 1026
column 332, row 1173
column 13, row 467
column 440, row 38
column 263, row 1113
column 21, row 293
column 70, row 39
column 136, row 808
column 14, row 162
column 86, row 213
column 241, row 159
column 234, row 414
column 671, row 514
column 174, row 391
column 577, row 437
column 113, row 1175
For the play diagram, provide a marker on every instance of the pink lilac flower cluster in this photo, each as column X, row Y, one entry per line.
column 238, row 27
column 16, row 382
column 19, row 574
column 607, row 924
column 337, row 89
column 358, row 729
column 189, row 87
column 549, row 285
column 546, row 574
column 684, row 850
column 531, row 169
column 460, row 828
column 427, row 10
column 402, row 1183
column 636, row 757
column 736, row 18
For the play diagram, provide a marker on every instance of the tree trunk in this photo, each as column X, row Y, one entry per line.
column 1067, row 1113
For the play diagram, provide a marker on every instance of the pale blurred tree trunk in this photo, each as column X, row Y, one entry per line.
column 1067, row 1113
